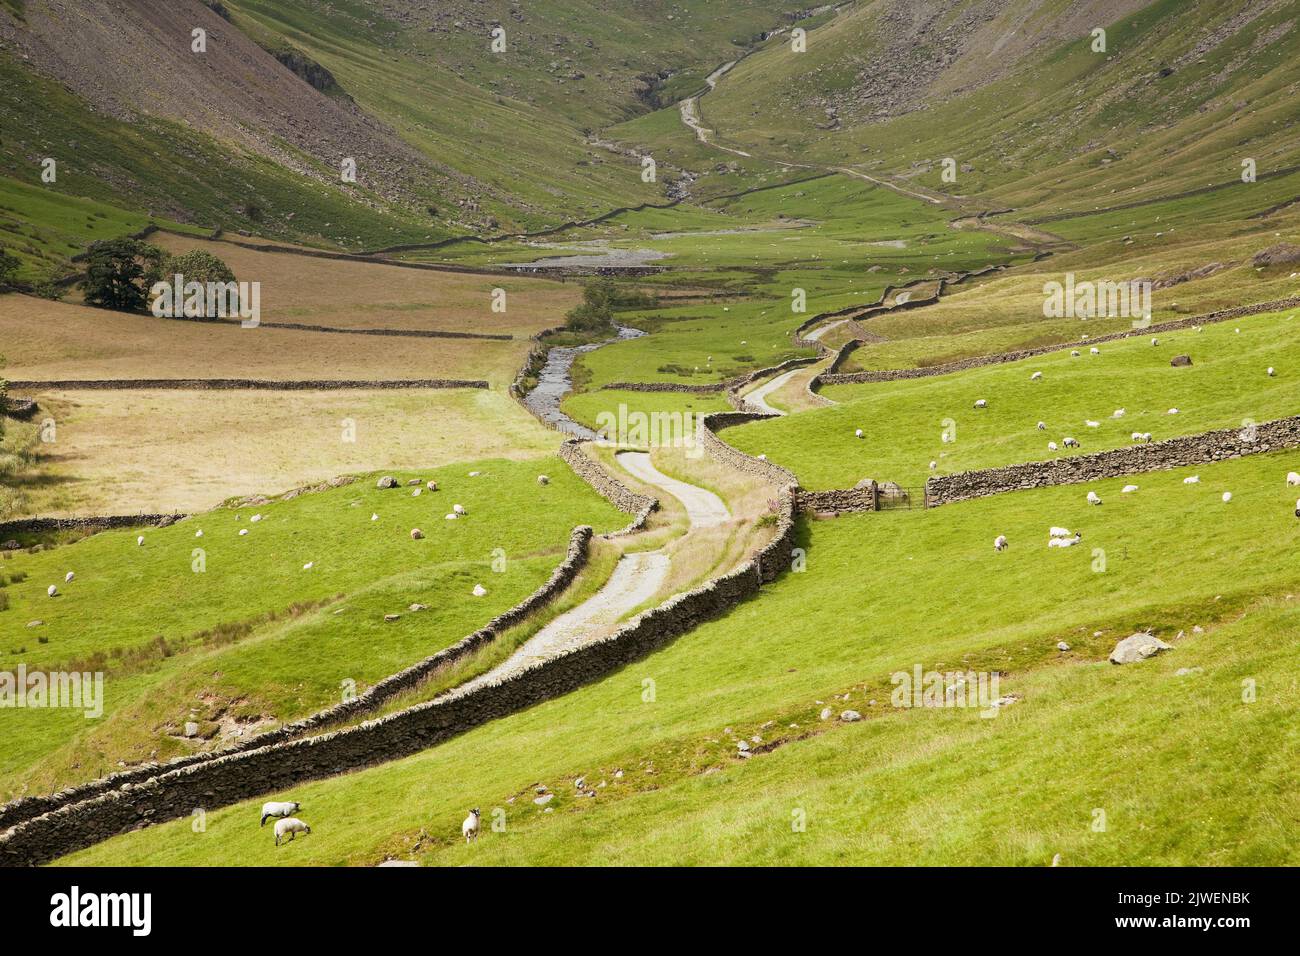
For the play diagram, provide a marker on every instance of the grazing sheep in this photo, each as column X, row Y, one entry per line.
column 416, row 534
column 278, row 809
column 981, row 403
column 934, row 465
column 255, row 519
column 479, row 590
column 1036, row 376
column 243, row 531
column 475, row 474
column 458, row 509
column 1091, row 424
column 1297, row 508
column 857, row 433
column 1227, row 496
column 1127, row 489
column 290, row 825
column 431, row 485
column 1093, row 499
column 762, row 457
column 1117, row 413
column 309, row 565
column 1094, row 350
column 67, row 578
column 1000, row 543
column 1146, row 437
column 1074, row 353
column 543, row 480
column 1155, row 341
column 1064, row 542
column 1193, row 480
column 199, row 533
column 452, row 516
column 1069, row 443
column 374, row 517
column 139, row 540
column 1172, row 411
column 52, row 590
column 1270, row 371
column 1042, row 426
column 469, row 829
column 1292, row 478
column 1051, row 446
column 1136, row 436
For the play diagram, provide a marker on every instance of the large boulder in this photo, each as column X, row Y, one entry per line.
column 1179, row 361
column 892, row 489
column 388, row 481
column 1138, row 647
column 866, row 484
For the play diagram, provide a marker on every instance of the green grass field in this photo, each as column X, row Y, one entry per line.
column 254, row 634
column 903, row 422
column 932, row 591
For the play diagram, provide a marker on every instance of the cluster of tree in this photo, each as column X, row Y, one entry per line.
column 600, row 298
column 120, row 272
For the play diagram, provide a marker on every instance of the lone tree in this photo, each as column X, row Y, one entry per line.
column 120, row 272
column 8, row 267
column 203, row 267
column 596, row 311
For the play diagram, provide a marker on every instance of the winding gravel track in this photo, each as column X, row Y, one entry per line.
column 758, row 397
column 637, row 577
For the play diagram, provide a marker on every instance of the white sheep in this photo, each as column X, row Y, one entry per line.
column 1270, row 371
column 1128, row 489
column 52, row 590
column 199, row 533
column 1051, row 446
column 1136, row 436
column 1172, row 411
column 309, row 565
column 67, row 578
column 1093, row 498
column 139, row 540
column 1193, row 480
column 1069, row 442
column 1292, row 478
column 1094, row 350
column 1146, row 437
column 1064, row 542
column 415, row 492
column 431, row 485
column 981, row 403
column 469, row 829
column 458, row 509
column 290, row 825
column 1155, row 341
column 1091, row 424
column 1042, row 426
column 1227, row 496
column 543, row 480
column 934, row 465
column 479, row 590
column 857, row 433
column 1117, row 413
column 762, row 457
column 1055, row 532
column 1036, row 376
column 255, row 519
column 1000, row 543
column 416, row 534
column 374, row 517
column 1074, row 353
column 243, row 531
column 282, row 808
column 1297, row 508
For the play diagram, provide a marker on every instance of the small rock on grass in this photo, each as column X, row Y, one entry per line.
column 1138, row 647
column 849, row 716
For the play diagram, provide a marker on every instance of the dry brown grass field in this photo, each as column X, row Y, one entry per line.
column 45, row 341
column 161, row 451
column 365, row 295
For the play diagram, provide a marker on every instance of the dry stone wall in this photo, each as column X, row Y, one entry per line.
column 1199, row 449
column 87, row 523
column 735, row 458
column 608, row 487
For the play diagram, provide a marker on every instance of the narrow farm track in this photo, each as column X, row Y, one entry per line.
column 758, row 397
column 637, row 577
